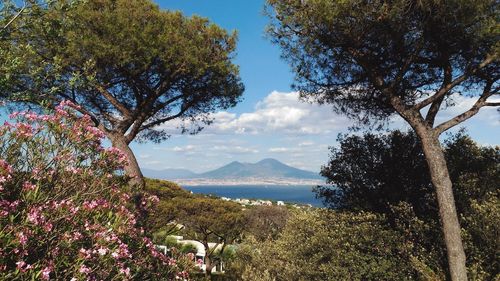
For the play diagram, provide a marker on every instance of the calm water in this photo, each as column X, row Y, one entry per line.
column 291, row 193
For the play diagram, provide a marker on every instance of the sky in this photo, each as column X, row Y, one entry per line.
column 270, row 122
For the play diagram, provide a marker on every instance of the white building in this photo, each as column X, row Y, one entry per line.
column 200, row 251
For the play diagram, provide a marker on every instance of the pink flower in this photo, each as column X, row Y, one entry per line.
column 73, row 170
column 125, row 271
column 34, row 216
column 27, row 186
column 76, row 236
column 46, row 273
column 7, row 207
column 84, row 269
column 5, row 173
column 24, row 130
column 183, row 274
column 23, row 266
column 47, row 226
column 20, row 264
column 22, row 238
column 14, row 114
column 86, row 254
column 102, row 251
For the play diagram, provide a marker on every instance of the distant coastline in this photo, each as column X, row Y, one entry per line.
column 290, row 194
column 248, row 182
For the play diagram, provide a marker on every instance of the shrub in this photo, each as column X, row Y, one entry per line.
column 65, row 212
column 328, row 245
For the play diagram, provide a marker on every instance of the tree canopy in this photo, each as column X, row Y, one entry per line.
column 207, row 220
column 322, row 244
column 388, row 174
column 372, row 172
column 373, row 59
column 129, row 65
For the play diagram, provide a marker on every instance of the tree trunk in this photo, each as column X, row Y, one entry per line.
column 132, row 169
column 447, row 211
column 208, row 267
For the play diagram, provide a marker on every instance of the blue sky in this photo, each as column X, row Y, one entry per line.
column 270, row 122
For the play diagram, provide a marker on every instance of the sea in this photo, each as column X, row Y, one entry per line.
column 301, row 194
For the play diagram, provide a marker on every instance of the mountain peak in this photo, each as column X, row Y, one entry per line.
column 269, row 161
column 265, row 168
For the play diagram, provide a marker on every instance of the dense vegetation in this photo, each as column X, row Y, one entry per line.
column 65, row 210
column 128, row 74
column 387, row 174
column 382, row 223
column 370, row 60
column 406, row 205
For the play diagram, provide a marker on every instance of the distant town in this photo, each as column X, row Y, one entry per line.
column 259, row 202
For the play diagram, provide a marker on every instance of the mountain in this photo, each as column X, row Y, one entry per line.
column 267, row 168
column 168, row 174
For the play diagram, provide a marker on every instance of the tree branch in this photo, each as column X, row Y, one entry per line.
column 406, row 65
column 492, row 104
column 469, row 113
column 447, row 87
column 436, row 105
column 115, row 102
column 158, row 122
column 137, row 126
column 16, row 16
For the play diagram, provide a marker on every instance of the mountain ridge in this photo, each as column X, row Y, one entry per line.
column 265, row 168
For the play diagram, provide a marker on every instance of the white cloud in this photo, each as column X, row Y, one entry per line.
column 461, row 104
column 306, row 143
column 457, row 105
column 277, row 113
column 234, row 149
column 279, row 149
column 187, row 148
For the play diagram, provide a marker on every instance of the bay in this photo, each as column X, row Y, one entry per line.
column 301, row 194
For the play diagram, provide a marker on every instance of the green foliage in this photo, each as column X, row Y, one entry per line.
column 328, row 245
column 188, row 248
column 165, row 190
column 481, row 236
column 207, row 220
column 210, row 219
column 388, row 174
column 128, row 73
column 65, row 212
column 371, row 172
column 161, row 217
column 266, row 222
column 360, row 56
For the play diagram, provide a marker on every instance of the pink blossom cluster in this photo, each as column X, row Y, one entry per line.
column 97, row 203
column 63, row 211
column 5, row 173
column 7, row 207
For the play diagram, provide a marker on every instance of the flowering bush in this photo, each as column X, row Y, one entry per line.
column 65, row 212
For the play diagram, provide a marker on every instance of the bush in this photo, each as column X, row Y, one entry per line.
column 165, row 189
column 328, row 245
column 65, row 212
